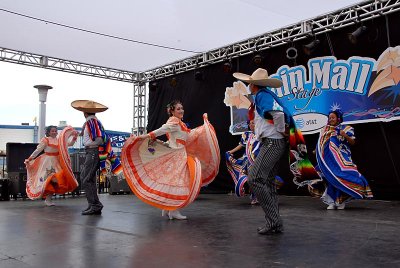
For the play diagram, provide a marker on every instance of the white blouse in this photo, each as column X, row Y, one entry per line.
column 176, row 131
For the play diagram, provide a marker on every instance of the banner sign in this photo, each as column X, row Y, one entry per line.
column 118, row 140
column 366, row 90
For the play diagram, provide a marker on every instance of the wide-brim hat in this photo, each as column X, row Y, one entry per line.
column 259, row 78
column 88, row 106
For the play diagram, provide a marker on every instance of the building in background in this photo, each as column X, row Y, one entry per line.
column 28, row 134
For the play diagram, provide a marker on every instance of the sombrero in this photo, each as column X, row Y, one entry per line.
column 88, row 106
column 259, row 78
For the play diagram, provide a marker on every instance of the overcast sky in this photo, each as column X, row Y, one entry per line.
column 20, row 100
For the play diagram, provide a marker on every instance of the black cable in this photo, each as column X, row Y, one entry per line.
column 330, row 44
column 97, row 33
column 387, row 30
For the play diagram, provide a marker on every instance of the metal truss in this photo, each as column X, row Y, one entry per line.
column 35, row 60
column 139, row 108
column 357, row 13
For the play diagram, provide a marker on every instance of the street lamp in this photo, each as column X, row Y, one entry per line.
column 42, row 90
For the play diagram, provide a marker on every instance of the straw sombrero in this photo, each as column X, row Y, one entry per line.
column 259, row 78
column 88, row 106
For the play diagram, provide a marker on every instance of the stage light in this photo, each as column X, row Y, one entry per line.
column 291, row 53
column 153, row 86
column 257, row 59
column 310, row 47
column 198, row 75
column 354, row 36
column 173, row 82
column 227, row 67
column 44, row 61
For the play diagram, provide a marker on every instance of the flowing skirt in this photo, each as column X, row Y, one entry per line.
column 202, row 143
column 160, row 176
column 344, row 182
column 44, row 168
column 171, row 178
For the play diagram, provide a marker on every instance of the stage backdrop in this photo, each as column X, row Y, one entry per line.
column 362, row 79
column 365, row 89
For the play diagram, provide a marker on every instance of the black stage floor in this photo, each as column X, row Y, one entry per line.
column 220, row 232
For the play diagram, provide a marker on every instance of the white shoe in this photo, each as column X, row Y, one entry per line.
column 254, row 202
column 341, row 206
column 175, row 214
column 48, row 201
column 331, row 206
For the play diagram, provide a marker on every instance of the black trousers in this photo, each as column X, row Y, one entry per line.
column 92, row 163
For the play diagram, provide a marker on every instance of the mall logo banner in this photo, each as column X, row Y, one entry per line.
column 366, row 90
column 118, row 140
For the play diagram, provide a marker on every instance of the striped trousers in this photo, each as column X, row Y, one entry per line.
column 261, row 179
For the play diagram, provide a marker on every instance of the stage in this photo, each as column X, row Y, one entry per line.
column 221, row 232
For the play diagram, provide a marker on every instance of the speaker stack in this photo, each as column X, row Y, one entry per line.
column 16, row 154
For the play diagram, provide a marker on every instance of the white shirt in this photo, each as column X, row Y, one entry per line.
column 264, row 129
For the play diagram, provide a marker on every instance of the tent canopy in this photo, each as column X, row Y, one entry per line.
column 138, row 36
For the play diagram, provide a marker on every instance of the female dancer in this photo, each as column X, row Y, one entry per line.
column 169, row 175
column 335, row 165
column 51, row 172
column 238, row 168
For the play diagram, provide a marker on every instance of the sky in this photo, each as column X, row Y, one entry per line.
column 20, row 100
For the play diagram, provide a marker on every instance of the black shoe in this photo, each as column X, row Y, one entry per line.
column 269, row 231
column 91, row 212
column 86, row 209
column 280, row 228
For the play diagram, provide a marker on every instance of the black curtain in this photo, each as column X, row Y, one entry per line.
column 377, row 151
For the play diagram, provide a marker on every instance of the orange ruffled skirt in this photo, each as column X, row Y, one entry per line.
column 44, row 168
column 171, row 178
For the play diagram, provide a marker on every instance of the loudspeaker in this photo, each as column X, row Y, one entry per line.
column 16, row 154
column 17, row 184
column 4, row 193
column 78, row 189
column 77, row 162
column 118, row 186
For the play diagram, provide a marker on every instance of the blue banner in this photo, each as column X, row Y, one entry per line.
column 366, row 90
column 118, row 140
